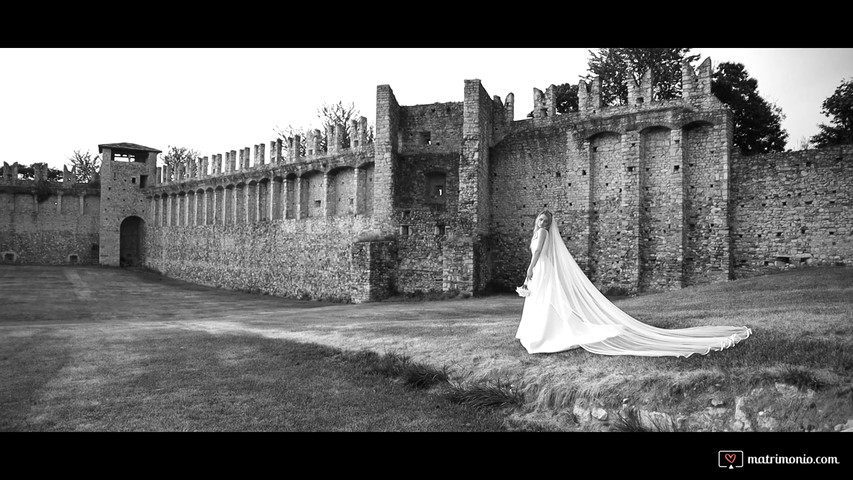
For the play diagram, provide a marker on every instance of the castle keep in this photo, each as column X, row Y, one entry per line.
column 649, row 196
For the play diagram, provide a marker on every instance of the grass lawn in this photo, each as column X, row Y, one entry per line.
column 130, row 379
column 148, row 353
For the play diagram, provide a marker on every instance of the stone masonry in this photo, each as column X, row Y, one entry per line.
column 648, row 196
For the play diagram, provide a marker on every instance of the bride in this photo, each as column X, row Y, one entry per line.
column 564, row 310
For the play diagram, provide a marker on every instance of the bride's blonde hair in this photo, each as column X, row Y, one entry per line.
column 548, row 214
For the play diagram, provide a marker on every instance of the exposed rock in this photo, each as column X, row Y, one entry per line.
column 786, row 390
column 766, row 422
column 582, row 415
column 657, row 421
column 844, row 427
column 741, row 422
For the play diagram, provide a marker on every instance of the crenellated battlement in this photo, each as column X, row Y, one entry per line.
column 589, row 96
column 696, row 93
column 9, row 177
column 641, row 93
column 696, row 85
column 250, row 161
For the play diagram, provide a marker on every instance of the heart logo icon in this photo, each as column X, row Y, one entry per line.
column 730, row 457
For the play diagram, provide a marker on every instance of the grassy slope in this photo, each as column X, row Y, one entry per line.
column 192, row 370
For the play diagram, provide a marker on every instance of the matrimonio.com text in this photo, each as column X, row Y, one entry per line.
column 732, row 459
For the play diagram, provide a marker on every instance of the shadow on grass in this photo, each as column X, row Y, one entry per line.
column 168, row 380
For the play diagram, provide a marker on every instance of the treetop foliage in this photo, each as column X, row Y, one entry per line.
column 757, row 122
column 839, row 108
column 175, row 156
column 618, row 66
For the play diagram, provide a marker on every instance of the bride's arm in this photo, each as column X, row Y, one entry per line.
column 540, row 242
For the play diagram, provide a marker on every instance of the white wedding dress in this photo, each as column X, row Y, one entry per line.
column 565, row 310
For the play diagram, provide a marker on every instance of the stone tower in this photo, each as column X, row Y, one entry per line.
column 126, row 169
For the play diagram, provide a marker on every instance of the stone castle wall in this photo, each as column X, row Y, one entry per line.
column 51, row 223
column 648, row 197
column 427, row 190
column 629, row 187
column 288, row 227
column 310, row 258
column 792, row 209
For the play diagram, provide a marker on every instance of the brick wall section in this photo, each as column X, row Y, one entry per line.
column 524, row 180
column 342, row 192
column 61, row 229
column 386, row 161
column 473, row 270
column 373, row 268
column 792, row 209
column 309, row 258
column 425, row 220
column 707, row 242
column 434, row 127
column 612, row 243
column 661, row 210
column 426, row 207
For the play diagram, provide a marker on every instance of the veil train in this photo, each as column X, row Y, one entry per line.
column 565, row 310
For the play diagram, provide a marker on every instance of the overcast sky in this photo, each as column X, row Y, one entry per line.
column 56, row 101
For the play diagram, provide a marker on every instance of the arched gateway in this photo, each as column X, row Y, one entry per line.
column 131, row 240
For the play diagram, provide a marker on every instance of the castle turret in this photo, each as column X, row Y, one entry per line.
column 126, row 169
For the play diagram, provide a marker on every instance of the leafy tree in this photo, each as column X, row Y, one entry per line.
column 84, row 167
column 757, row 123
column 176, row 156
column 839, row 107
column 617, row 66
column 329, row 115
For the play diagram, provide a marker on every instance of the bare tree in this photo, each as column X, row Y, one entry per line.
column 84, row 167
column 291, row 132
column 329, row 115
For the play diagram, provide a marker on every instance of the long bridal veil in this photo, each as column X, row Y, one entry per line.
column 565, row 310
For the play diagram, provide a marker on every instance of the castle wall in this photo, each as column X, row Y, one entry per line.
column 617, row 181
column 61, row 229
column 122, row 197
column 528, row 174
column 792, row 209
column 386, row 162
column 705, row 191
column 426, row 204
column 471, row 268
column 430, row 128
column 612, row 240
column 226, row 229
column 648, row 197
column 426, row 215
column 307, row 258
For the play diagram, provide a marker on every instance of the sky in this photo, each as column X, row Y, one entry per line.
column 55, row 101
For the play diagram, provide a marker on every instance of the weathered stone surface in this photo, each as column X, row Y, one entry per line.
column 649, row 196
